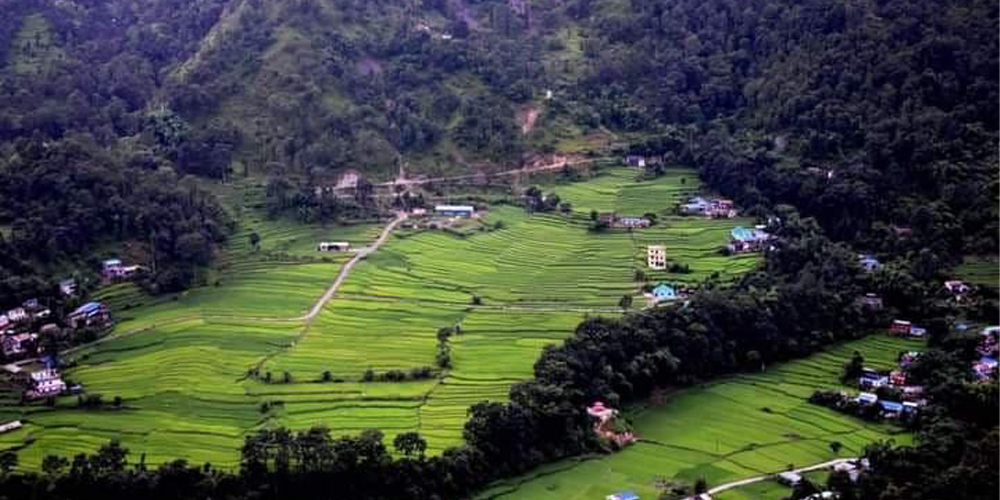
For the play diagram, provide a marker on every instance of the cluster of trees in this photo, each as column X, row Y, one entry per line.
column 62, row 199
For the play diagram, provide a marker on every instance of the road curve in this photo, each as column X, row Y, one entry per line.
column 744, row 482
column 346, row 268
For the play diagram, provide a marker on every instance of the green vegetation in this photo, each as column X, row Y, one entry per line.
column 982, row 270
column 212, row 362
column 733, row 428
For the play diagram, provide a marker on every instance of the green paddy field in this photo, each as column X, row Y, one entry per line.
column 734, row 428
column 182, row 364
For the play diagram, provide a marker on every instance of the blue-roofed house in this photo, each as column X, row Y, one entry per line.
column 623, row 495
column 869, row 262
column 748, row 240
column 89, row 314
column 664, row 292
column 891, row 408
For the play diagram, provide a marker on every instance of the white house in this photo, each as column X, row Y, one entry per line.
column 333, row 246
column 455, row 210
column 656, row 257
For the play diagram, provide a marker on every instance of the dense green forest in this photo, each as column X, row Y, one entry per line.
column 867, row 125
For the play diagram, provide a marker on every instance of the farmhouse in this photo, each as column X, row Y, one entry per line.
column 68, row 287
column 985, row 367
column 335, row 246
column 790, row 478
column 631, row 222
column 10, row 426
column 716, row 207
column 664, row 292
column 656, row 257
column 748, row 240
column 869, row 381
column 111, row 268
column 866, row 398
column 871, row 301
column 956, row 288
column 89, row 314
column 46, row 383
column 455, row 210
column 18, row 315
column 900, row 327
column 16, row 345
column 635, row 161
column 696, row 205
column 605, row 428
column 869, row 262
column 890, row 409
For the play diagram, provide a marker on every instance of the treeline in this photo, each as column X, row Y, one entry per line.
column 878, row 119
column 62, row 200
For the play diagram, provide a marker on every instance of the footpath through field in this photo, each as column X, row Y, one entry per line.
column 756, row 479
column 346, row 269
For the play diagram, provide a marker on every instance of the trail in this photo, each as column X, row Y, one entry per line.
column 756, row 479
column 468, row 177
column 346, row 269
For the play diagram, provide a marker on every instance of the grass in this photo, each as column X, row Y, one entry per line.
column 737, row 427
column 181, row 364
column 983, row 270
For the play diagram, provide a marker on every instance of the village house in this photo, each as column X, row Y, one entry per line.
column 45, row 383
column 455, row 210
column 985, row 367
column 631, row 222
column 900, row 327
column 4, row 323
column 718, row 208
column 68, row 287
column 604, row 427
column 748, row 240
column 853, row 468
column 417, row 211
column 18, row 315
column 10, row 426
column 866, row 398
column 656, row 257
column 872, row 380
column 988, row 345
column 890, row 409
column 334, row 246
column 89, row 314
column 869, row 262
column 823, row 495
column 790, row 478
column 111, row 268
column 18, row 345
column 913, row 393
column 897, row 378
column 36, row 310
column 663, row 292
column 871, row 302
column 635, row 161
column 957, row 289
column 696, row 205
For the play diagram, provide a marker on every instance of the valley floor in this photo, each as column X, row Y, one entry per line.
column 198, row 372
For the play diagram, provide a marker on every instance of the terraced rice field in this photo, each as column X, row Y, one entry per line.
column 182, row 365
column 738, row 427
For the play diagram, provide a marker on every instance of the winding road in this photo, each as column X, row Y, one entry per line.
column 345, row 270
column 743, row 482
